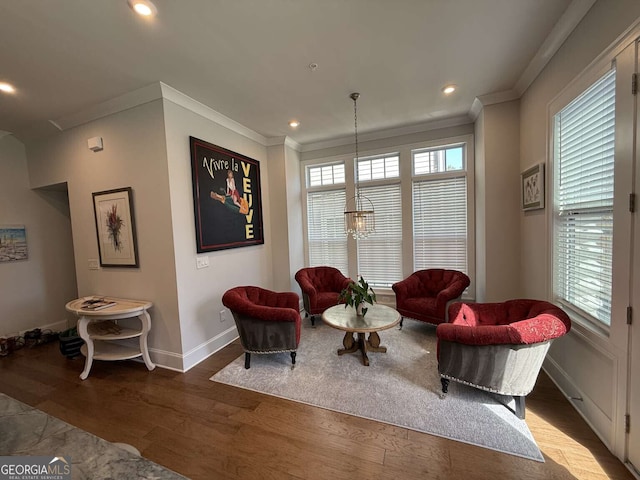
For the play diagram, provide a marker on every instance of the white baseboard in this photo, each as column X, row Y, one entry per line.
column 588, row 410
column 184, row 362
column 58, row 326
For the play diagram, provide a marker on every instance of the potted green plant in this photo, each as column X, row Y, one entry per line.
column 356, row 295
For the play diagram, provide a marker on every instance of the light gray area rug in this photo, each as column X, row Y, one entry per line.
column 401, row 387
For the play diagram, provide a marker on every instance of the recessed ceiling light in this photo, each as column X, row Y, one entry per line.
column 7, row 88
column 449, row 89
column 143, row 7
column 294, row 123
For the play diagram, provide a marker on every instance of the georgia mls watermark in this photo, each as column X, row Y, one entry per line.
column 35, row 468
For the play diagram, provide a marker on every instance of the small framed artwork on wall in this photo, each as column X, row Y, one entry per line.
column 532, row 181
column 116, row 228
column 13, row 243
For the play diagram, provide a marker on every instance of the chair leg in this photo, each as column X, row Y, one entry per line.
column 520, row 407
column 247, row 359
column 401, row 320
column 313, row 321
column 445, row 384
column 293, row 357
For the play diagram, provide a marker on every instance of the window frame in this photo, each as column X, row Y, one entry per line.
column 404, row 151
column 591, row 326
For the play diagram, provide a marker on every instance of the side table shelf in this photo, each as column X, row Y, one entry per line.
column 105, row 339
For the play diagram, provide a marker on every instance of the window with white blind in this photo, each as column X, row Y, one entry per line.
column 380, row 254
column 440, row 209
column 584, row 135
column 422, row 195
column 326, row 241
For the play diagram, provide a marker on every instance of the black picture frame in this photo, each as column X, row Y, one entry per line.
column 116, row 228
column 225, row 217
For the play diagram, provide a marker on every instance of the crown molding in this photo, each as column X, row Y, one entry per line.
column 209, row 113
column 389, row 133
column 284, row 140
column 567, row 23
column 491, row 99
column 118, row 104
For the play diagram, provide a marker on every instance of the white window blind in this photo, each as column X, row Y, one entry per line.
column 326, row 175
column 440, row 223
column 380, row 254
column 327, row 240
column 583, row 208
column 378, row 168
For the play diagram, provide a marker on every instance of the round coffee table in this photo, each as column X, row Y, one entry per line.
column 378, row 317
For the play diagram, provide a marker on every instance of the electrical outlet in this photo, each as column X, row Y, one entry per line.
column 223, row 316
column 202, row 262
column 94, row 264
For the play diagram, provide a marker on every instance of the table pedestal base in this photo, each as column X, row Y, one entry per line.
column 372, row 344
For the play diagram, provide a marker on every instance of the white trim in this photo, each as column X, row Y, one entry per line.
column 286, row 140
column 118, row 104
column 567, row 23
column 201, row 109
column 389, row 133
column 153, row 92
column 593, row 416
column 58, row 326
column 185, row 362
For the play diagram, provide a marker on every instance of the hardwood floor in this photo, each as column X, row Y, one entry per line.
column 206, row 430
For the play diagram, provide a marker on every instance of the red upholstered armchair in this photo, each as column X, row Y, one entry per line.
column 498, row 347
column 267, row 321
column 321, row 287
column 424, row 295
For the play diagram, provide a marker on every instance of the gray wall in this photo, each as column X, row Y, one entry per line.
column 34, row 291
column 134, row 156
column 200, row 290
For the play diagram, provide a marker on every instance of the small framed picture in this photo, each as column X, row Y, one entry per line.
column 533, row 187
column 116, row 228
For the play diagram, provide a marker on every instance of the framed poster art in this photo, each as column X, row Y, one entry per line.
column 13, row 243
column 227, row 198
column 532, row 181
column 116, row 228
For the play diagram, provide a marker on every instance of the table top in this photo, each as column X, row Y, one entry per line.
column 378, row 317
column 122, row 306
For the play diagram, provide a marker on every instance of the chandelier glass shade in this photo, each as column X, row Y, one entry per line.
column 359, row 214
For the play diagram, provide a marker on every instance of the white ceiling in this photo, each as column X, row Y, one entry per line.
column 249, row 59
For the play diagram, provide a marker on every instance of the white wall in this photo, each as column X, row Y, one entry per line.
column 286, row 224
column 294, row 216
column 200, row 290
column 498, row 202
column 582, row 363
column 34, row 291
column 134, row 156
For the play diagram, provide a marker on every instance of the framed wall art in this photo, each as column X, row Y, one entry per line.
column 13, row 243
column 532, row 181
column 116, row 228
column 227, row 198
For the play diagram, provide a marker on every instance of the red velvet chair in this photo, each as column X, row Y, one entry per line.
column 321, row 287
column 498, row 347
column 424, row 295
column 267, row 322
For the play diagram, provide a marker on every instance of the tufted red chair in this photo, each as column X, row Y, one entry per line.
column 425, row 294
column 321, row 287
column 267, row 321
column 498, row 347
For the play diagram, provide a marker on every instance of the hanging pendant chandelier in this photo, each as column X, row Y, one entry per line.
column 359, row 216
